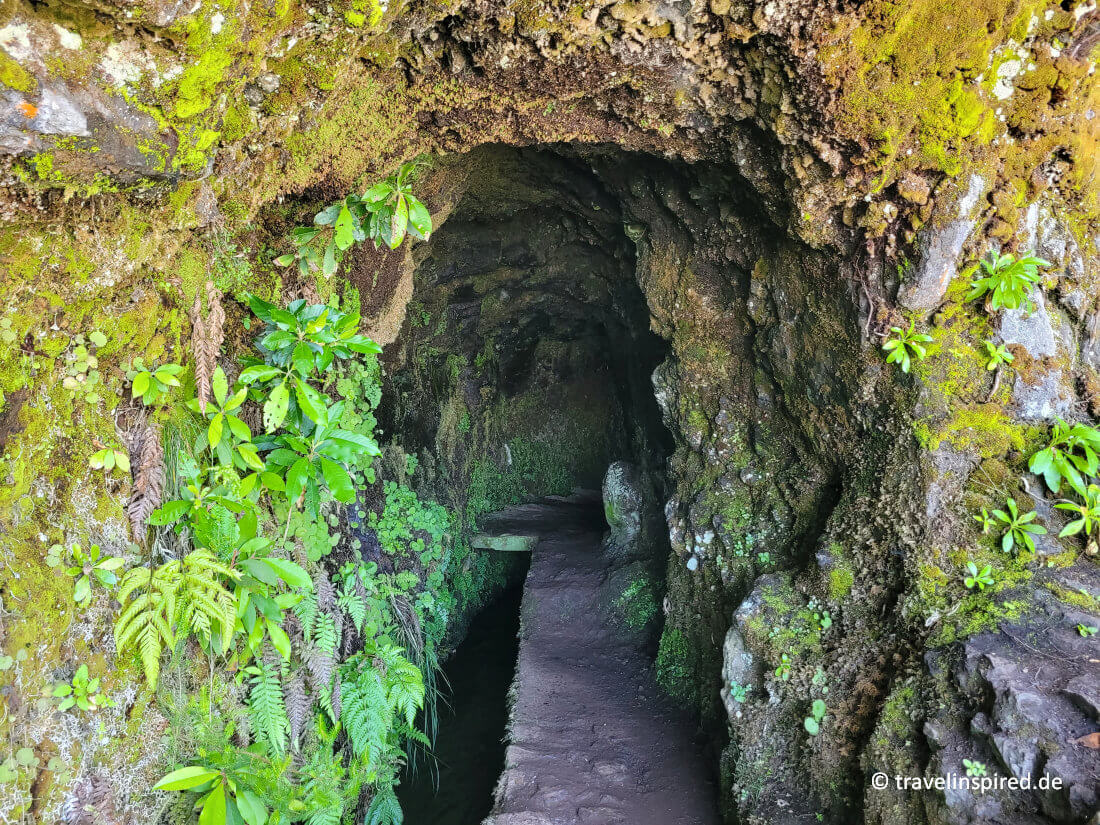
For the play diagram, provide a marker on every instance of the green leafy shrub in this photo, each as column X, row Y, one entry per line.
column 385, row 213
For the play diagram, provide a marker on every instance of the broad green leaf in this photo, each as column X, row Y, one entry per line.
column 399, row 223
column 251, row 808
column 279, row 640
column 259, row 372
column 248, row 453
column 289, row 572
column 185, row 778
column 303, row 359
column 275, row 407
column 260, row 570
column 214, row 433
column 296, row 479
column 213, row 807
column 311, row 402
column 238, row 428
column 338, row 481
column 328, row 215
column 141, row 384
column 219, row 385
column 345, row 228
column 368, row 445
column 419, row 218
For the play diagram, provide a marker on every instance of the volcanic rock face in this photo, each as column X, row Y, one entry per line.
column 720, row 211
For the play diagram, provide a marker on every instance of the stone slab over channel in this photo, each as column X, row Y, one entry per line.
column 505, row 542
column 592, row 741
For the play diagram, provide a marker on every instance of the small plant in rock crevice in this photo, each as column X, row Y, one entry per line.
column 1086, row 631
column 1020, row 529
column 108, row 460
column 974, row 768
column 980, row 578
column 384, row 214
column 1087, row 513
column 92, row 566
column 986, row 521
column 1072, row 455
column 1006, row 280
column 783, row 671
column 997, row 356
column 153, row 385
column 905, row 345
column 81, row 692
column 812, row 723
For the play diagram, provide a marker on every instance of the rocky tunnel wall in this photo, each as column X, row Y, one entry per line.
column 149, row 147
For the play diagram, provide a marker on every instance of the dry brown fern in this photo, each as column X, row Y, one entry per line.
column 207, row 335
column 148, row 492
column 215, row 321
column 198, row 349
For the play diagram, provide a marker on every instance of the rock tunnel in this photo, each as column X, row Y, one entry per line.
column 691, row 294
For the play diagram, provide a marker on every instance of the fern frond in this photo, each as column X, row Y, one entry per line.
column 266, row 706
column 325, row 634
column 366, row 715
column 306, row 610
column 298, row 706
column 384, row 808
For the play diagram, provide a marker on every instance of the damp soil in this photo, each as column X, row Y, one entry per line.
column 457, row 787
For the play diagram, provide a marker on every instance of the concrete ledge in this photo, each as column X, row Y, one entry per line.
column 504, row 543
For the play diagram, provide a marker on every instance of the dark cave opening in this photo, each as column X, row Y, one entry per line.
column 581, row 307
column 527, row 343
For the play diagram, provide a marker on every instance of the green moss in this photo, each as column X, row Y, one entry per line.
column 15, row 76
column 675, row 666
column 1077, row 598
column 913, row 77
column 638, row 604
column 841, row 581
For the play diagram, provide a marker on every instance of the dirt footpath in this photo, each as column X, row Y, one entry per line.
column 592, row 739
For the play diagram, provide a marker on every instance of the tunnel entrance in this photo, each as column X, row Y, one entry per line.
column 580, row 307
column 526, row 352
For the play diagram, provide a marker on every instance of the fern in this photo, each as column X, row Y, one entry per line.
column 384, row 808
column 404, row 683
column 388, row 686
column 366, row 715
column 306, row 611
column 326, row 633
column 188, row 595
column 298, row 707
column 144, row 624
column 353, row 601
column 266, row 706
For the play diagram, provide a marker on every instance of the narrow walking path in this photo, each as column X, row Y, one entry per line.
column 592, row 740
